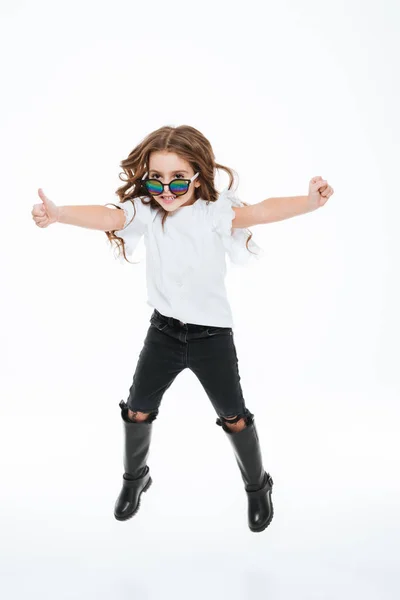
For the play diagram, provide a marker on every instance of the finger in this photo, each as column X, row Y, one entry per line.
column 320, row 185
column 325, row 191
column 327, row 194
column 40, row 220
column 315, row 179
column 328, row 191
column 39, row 216
column 39, row 212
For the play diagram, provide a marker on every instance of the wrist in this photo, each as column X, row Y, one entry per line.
column 313, row 203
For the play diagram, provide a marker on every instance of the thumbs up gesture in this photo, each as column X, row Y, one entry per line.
column 46, row 213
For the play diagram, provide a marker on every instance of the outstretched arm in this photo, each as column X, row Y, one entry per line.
column 277, row 209
column 92, row 216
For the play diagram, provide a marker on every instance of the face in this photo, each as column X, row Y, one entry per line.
column 166, row 166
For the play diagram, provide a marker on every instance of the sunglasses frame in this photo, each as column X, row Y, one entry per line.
column 188, row 181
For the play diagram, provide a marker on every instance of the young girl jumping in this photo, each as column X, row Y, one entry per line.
column 169, row 197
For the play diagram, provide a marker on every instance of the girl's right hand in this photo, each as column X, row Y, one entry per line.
column 46, row 213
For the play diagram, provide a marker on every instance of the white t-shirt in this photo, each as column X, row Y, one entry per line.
column 185, row 263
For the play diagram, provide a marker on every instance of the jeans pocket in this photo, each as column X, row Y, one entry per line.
column 158, row 323
column 218, row 331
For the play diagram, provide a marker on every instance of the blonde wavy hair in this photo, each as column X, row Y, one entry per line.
column 188, row 143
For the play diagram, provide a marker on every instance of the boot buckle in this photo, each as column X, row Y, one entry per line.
column 270, row 481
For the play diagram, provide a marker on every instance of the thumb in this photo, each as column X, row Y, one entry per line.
column 43, row 197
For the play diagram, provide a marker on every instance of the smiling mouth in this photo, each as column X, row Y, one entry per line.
column 168, row 198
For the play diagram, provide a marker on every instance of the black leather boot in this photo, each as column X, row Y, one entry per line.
column 258, row 483
column 136, row 478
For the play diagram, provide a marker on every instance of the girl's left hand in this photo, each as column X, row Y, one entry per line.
column 319, row 192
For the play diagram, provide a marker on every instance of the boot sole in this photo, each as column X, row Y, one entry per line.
column 126, row 517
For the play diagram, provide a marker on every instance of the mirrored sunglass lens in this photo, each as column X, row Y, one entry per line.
column 178, row 187
column 153, row 186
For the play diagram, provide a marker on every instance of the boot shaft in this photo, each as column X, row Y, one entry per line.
column 136, row 445
column 247, row 450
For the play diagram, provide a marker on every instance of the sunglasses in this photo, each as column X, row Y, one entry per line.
column 177, row 187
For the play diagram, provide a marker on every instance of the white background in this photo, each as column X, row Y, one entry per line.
column 283, row 91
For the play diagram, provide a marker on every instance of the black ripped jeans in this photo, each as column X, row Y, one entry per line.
column 170, row 347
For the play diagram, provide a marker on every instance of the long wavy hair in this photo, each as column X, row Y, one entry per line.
column 188, row 143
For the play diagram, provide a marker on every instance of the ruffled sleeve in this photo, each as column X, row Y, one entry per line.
column 137, row 217
column 234, row 239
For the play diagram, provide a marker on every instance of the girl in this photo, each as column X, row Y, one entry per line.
column 169, row 197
